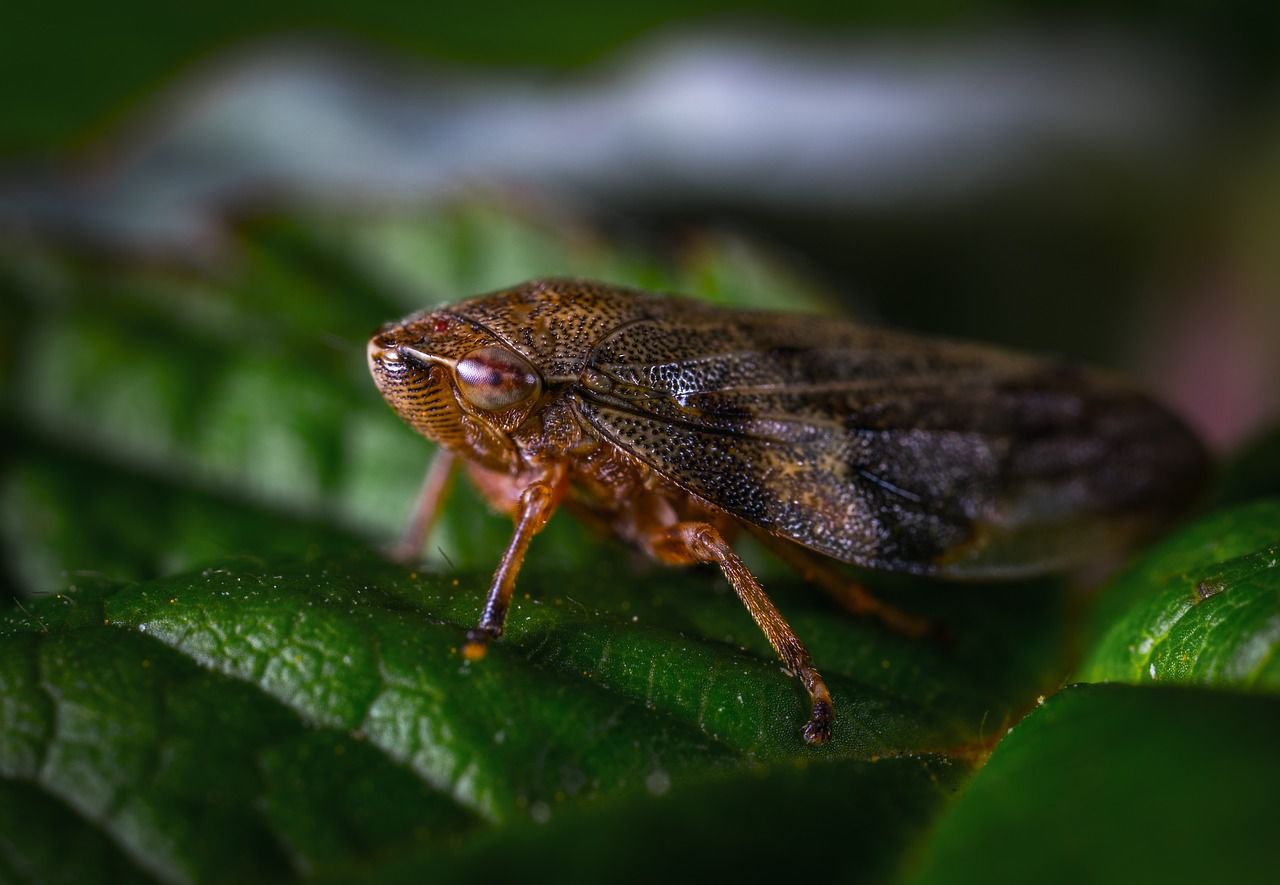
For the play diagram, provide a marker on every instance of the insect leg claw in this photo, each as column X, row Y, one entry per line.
column 703, row 542
column 818, row 729
column 477, row 644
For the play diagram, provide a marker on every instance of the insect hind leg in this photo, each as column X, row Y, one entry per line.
column 847, row 593
column 702, row 542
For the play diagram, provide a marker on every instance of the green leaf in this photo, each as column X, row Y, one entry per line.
column 194, row 776
column 196, row 720
column 1203, row 606
column 849, row 821
column 28, row 816
column 1253, row 472
column 66, row 513
column 1120, row 784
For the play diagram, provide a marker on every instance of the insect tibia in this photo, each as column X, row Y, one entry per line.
column 703, row 542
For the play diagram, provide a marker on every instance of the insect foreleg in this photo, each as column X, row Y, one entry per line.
column 435, row 488
column 847, row 593
column 702, row 542
column 537, row 502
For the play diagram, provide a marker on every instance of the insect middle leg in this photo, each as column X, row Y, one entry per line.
column 847, row 593
column 702, row 542
column 537, row 502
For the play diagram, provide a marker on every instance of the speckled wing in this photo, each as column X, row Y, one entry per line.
column 887, row 450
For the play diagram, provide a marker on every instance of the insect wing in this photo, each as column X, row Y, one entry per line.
column 888, row 450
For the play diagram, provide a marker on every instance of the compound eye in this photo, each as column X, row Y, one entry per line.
column 494, row 378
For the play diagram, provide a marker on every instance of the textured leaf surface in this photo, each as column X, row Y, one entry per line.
column 1121, row 784
column 204, row 720
column 208, row 672
column 1202, row 607
column 190, row 775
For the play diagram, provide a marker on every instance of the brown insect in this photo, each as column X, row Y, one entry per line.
column 677, row 425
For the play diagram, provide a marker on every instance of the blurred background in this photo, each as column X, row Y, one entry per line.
column 204, row 211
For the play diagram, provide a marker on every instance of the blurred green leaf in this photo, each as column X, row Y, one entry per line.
column 28, row 816
column 1201, row 607
column 65, row 515
column 850, row 821
column 1120, row 784
column 1253, row 472
column 253, row 387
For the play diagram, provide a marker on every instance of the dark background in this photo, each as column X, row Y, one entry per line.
column 68, row 71
column 1116, row 259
